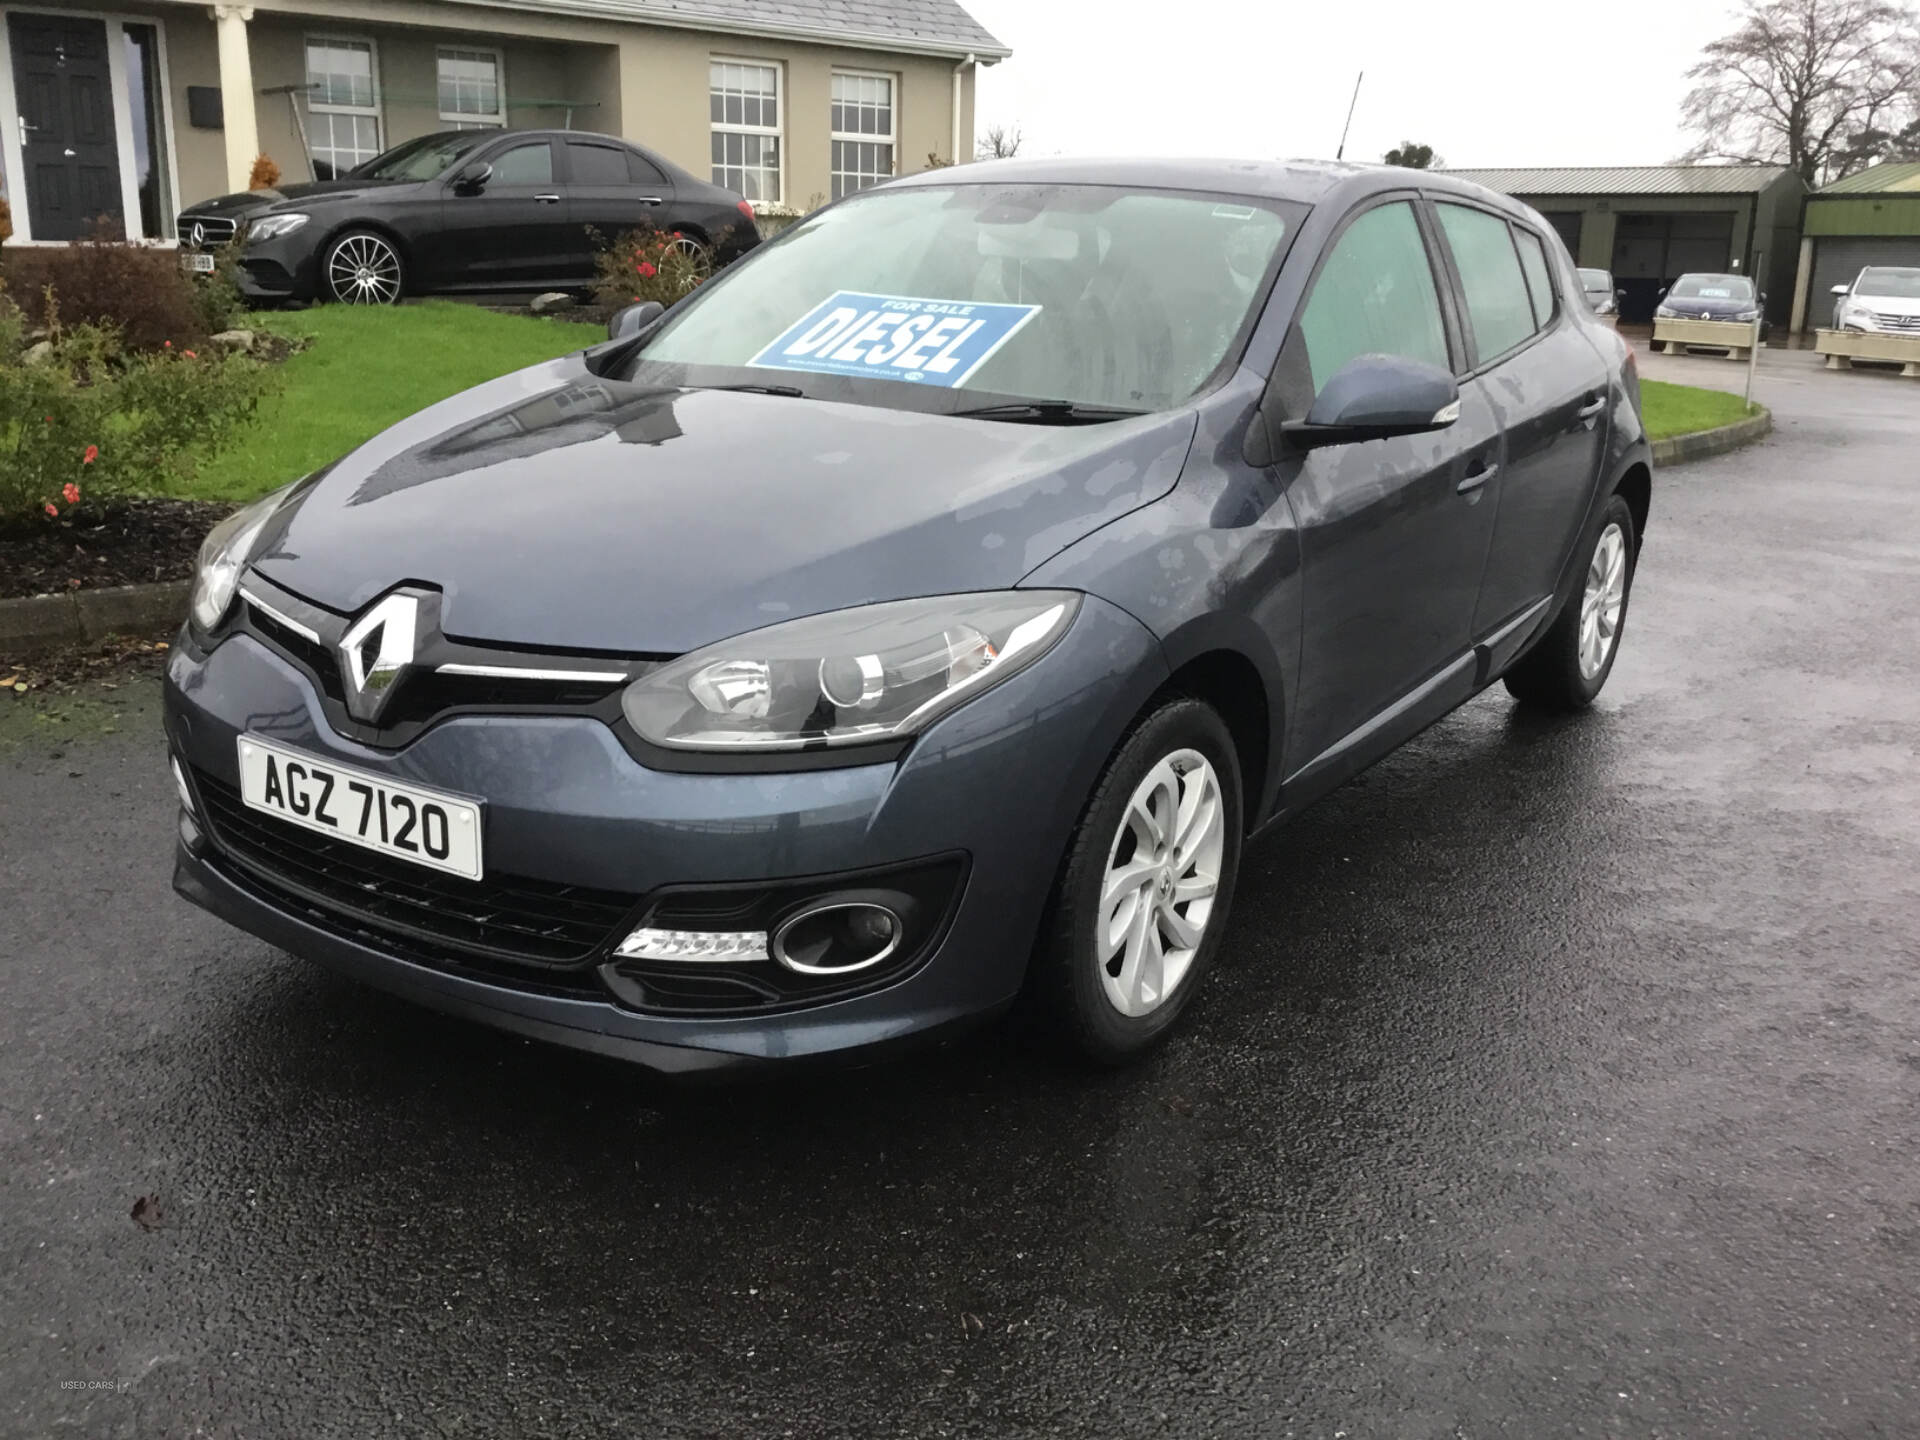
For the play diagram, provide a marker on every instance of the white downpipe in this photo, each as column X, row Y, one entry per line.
column 965, row 65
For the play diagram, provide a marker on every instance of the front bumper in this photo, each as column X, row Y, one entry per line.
column 1001, row 781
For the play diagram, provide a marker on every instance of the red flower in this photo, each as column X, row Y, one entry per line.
column 677, row 235
column 93, row 454
column 70, row 492
column 647, row 271
column 53, row 510
column 190, row 355
column 169, row 344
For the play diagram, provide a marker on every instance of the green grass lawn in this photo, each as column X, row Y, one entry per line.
column 1681, row 409
column 366, row 369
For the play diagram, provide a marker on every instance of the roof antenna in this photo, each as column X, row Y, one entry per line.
column 1341, row 153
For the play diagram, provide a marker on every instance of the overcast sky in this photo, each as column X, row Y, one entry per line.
column 1486, row 82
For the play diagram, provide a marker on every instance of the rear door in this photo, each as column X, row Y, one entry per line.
column 613, row 191
column 1548, row 388
column 514, row 231
column 1393, row 533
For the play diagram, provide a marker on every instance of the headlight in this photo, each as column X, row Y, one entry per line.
column 1667, row 312
column 880, row 672
column 225, row 555
column 1747, row 317
column 272, row 227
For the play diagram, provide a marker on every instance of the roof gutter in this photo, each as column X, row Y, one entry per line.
column 965, row 65
column 640, row 14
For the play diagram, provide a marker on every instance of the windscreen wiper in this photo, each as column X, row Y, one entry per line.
column 791, row 392
column 1047, row 412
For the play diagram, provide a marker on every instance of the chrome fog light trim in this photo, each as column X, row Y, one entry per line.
column 180, row 784
column 889, row 922
column 712, row 946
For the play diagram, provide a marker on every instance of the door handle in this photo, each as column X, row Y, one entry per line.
column 1593, row 410
column 1476, row 479
column 546, row 199
column 652, row 200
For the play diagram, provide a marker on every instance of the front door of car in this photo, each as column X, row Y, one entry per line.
column 68, row 146
column 613, row 191
column 1393, row 533
column 510, row 230
column 1549, row 390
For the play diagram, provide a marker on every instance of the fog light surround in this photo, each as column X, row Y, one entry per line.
column 840, row 937
column 180, row 784
column 698, row 946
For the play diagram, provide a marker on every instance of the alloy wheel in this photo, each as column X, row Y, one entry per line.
column 698, row 253
column 364, row 270
column 1163, row 872
column 1605, row 598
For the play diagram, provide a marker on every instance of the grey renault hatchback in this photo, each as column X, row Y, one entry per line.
column 916, row 621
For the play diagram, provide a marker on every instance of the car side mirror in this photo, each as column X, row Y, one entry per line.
column 1376, row 397
column 1621, row 293
column 1843, row 290
column 631, row 320
column 473, row 179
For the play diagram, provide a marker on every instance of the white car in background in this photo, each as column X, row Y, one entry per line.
column 1883, row 298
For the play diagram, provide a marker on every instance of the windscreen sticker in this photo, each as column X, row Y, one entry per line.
column 894, row 337
column 1720, row 294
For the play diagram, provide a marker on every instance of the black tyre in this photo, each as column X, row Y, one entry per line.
column 1570, row 664
column 363, row 267
column 1142, row 898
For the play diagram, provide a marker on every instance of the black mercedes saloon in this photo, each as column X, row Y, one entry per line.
column 466, row 210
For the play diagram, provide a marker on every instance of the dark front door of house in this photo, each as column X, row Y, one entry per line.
column 67, row 141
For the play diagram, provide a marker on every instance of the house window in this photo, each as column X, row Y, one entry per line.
column 472, row 95
column 343, row 96
column 744, row 99
column 862, row 131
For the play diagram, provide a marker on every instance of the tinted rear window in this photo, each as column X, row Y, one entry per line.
column 597, row 164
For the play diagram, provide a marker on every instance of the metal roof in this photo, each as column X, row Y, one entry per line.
column 1893, row 178
column 1644, row 180
column 921, row 27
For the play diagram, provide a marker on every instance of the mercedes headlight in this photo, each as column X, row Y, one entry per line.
column 851, row 677
column 225, row 555
column 272, row 227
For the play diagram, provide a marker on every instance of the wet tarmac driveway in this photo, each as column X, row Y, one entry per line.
column 1561, row 1080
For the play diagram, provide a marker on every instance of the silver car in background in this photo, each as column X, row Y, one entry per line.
column 1601, row 295
column 1882, row 298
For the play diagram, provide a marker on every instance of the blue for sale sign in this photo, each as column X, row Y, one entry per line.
column 894, row 337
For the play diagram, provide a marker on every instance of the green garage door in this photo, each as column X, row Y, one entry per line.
column 1838, row 261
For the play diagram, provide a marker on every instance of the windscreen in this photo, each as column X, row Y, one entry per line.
column 1094, row 295
column 1889, row 282
column 425, row 159
column 1713, row 287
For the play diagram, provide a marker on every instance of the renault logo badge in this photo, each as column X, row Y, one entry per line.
column 376, row 651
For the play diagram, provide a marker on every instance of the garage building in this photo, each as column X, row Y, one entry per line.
column 1872, row 218
column 1651, row 225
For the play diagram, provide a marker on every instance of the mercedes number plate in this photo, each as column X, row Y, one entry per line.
column 422, row 827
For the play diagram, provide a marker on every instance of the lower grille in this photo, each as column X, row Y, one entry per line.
column 502, row 920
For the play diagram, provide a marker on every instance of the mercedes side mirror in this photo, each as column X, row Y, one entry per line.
column 631, row 320
column 473, row 179
column 1376, row 397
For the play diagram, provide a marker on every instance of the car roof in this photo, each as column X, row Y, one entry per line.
column 1308, row 182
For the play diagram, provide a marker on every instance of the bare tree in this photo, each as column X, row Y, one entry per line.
column 1798, row 79
column 1002, row 142
column 1411, row 156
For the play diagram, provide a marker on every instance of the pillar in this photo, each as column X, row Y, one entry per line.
column 236, row 93
column 1802, row 283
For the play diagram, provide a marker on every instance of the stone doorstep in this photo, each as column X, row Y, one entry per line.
column 40, row 623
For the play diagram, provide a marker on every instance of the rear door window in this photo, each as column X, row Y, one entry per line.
column 643, row 171
column 1375, row 295
column 1533, row 260
column 597, row 164
column 1499, row 306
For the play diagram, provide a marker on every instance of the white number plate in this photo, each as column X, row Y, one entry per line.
column 425, row 827
column 197, row 264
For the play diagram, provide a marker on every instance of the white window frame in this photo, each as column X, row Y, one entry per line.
column 14, row 160
column 778, row 132
column 890, row 139
column 377, row 110
column 466, row 120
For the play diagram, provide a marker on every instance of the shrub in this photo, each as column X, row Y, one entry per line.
column 89, row 421
column 6, row 222
column 139, row 290
column 648, row 265
column 265, row 176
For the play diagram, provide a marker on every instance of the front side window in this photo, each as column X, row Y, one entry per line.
column 863, row 131
column 1499, row 306
column 529, row 164
column 1092, row 294
column 343, row 95
column 744, row 102
column 1374, row 296
column 472, row 93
